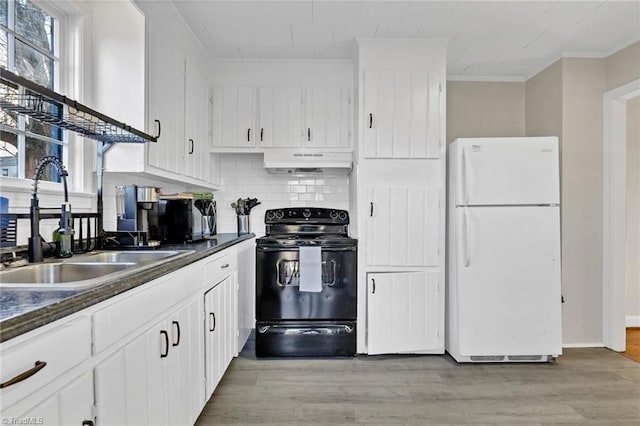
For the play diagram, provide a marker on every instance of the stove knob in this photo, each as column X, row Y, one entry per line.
column 306, row 213
column 333, row 215
column 271, row 215
column 279, row 214
column 342, row 215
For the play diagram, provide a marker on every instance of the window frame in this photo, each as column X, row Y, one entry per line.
column 58, row 36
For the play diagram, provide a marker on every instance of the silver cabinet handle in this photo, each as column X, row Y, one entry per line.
column 225, row 266
column 373, row 282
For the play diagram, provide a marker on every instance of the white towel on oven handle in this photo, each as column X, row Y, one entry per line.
column 310, row 264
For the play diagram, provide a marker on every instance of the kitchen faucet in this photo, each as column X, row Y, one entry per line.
column 65, row 231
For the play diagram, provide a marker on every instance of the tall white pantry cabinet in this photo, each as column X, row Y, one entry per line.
column 399, row 180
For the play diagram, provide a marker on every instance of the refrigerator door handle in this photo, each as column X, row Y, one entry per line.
column 465, row 239
column 464, row 179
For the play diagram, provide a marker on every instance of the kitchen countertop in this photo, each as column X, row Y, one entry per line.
column 22, row 310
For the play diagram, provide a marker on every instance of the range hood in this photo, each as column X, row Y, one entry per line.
column 304, row 163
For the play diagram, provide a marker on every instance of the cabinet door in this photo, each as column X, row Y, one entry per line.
column 72, row 405
column 327, row 118
column 156, row 378
column 166, row 78
column 280, row 117
column 196, row 144
column 185, row 363
column 121, row 385
column 214, row 338
column 234, row 117
column 402, row 226
column 404, row 312
column 230, row 289
column 402, row 114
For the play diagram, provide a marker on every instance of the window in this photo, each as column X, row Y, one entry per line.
column 28, row 47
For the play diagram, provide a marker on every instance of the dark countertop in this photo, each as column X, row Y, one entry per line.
column 22, row 310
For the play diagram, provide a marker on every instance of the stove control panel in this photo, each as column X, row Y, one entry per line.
column 307, row 215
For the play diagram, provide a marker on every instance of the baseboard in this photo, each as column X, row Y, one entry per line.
column 632, row 321
column 583, row 345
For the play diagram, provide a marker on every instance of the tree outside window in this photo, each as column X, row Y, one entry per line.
column 28, row 48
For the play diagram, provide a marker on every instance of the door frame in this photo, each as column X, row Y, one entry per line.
column 615, row 213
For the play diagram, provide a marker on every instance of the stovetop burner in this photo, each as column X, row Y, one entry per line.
column 307, row 226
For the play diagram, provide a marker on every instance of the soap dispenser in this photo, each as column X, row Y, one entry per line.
column 62, row 236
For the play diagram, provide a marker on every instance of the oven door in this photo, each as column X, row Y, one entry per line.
column 277, row 285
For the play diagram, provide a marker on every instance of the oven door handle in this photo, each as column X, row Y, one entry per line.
column 294, row 248
column 319, row 330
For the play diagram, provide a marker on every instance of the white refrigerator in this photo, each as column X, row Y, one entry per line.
column 503, row 265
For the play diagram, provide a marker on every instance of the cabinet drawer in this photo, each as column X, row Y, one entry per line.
column 133, row 310
column 61, row 345
column 220, row 266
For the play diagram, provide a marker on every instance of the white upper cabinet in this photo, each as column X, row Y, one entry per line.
column 165, row 101
column 234, row 116
column 196, row 134
column 280, row 112
column 402, row 114
column 327, row 118
column 172, row 90
column 254, row 118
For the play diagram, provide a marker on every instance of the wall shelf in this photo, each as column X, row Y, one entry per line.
column 25, row 97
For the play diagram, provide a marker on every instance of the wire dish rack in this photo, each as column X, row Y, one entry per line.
column 25, row 97
column 85, row 225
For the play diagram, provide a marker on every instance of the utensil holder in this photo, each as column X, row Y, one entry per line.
column 243, row 224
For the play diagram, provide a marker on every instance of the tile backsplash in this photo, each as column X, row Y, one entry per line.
column 244, row 176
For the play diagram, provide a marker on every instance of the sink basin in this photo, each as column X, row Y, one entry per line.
column 131, row 256
column 60, row 275
column 85, row 270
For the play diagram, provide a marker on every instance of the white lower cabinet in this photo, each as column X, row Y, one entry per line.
column 41, row 374
column 138, row 358
column 405, row 311
column 71, row 405
column 220, row 311
column 155, row 378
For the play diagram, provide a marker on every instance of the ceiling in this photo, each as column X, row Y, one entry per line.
column 486, row 39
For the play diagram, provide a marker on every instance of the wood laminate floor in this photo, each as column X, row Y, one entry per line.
column 584, row 386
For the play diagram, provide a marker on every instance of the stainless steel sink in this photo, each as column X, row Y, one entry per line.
column 131, row 256
column 85, row 270
column 60, row 275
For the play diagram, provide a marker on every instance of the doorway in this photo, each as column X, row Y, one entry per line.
column 614, row 214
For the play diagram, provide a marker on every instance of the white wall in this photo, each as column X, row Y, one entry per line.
column 633, row 213
column 243, row 176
